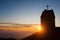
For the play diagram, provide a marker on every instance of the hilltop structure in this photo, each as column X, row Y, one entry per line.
column 48, row 24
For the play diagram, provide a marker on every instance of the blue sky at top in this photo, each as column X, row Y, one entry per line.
column 27, row 11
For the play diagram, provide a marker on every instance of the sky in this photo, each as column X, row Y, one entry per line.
column 27, row 11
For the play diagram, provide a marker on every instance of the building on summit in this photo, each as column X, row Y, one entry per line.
column 48, row 24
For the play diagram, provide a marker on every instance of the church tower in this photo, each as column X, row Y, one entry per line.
column 48, row 20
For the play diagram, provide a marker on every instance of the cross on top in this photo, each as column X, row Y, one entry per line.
column 47, row 6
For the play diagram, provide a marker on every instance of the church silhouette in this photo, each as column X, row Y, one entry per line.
column 48, row 24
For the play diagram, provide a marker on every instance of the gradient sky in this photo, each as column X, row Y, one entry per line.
column 27, row 11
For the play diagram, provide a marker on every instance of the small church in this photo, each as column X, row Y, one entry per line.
column 50, row 31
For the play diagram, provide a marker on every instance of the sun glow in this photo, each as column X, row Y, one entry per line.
column 39, row 28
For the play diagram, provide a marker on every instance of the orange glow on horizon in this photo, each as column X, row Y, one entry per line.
column 35, row 28
column 19, row 29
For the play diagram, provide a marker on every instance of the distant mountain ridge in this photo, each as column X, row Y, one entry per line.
column 17, row 25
